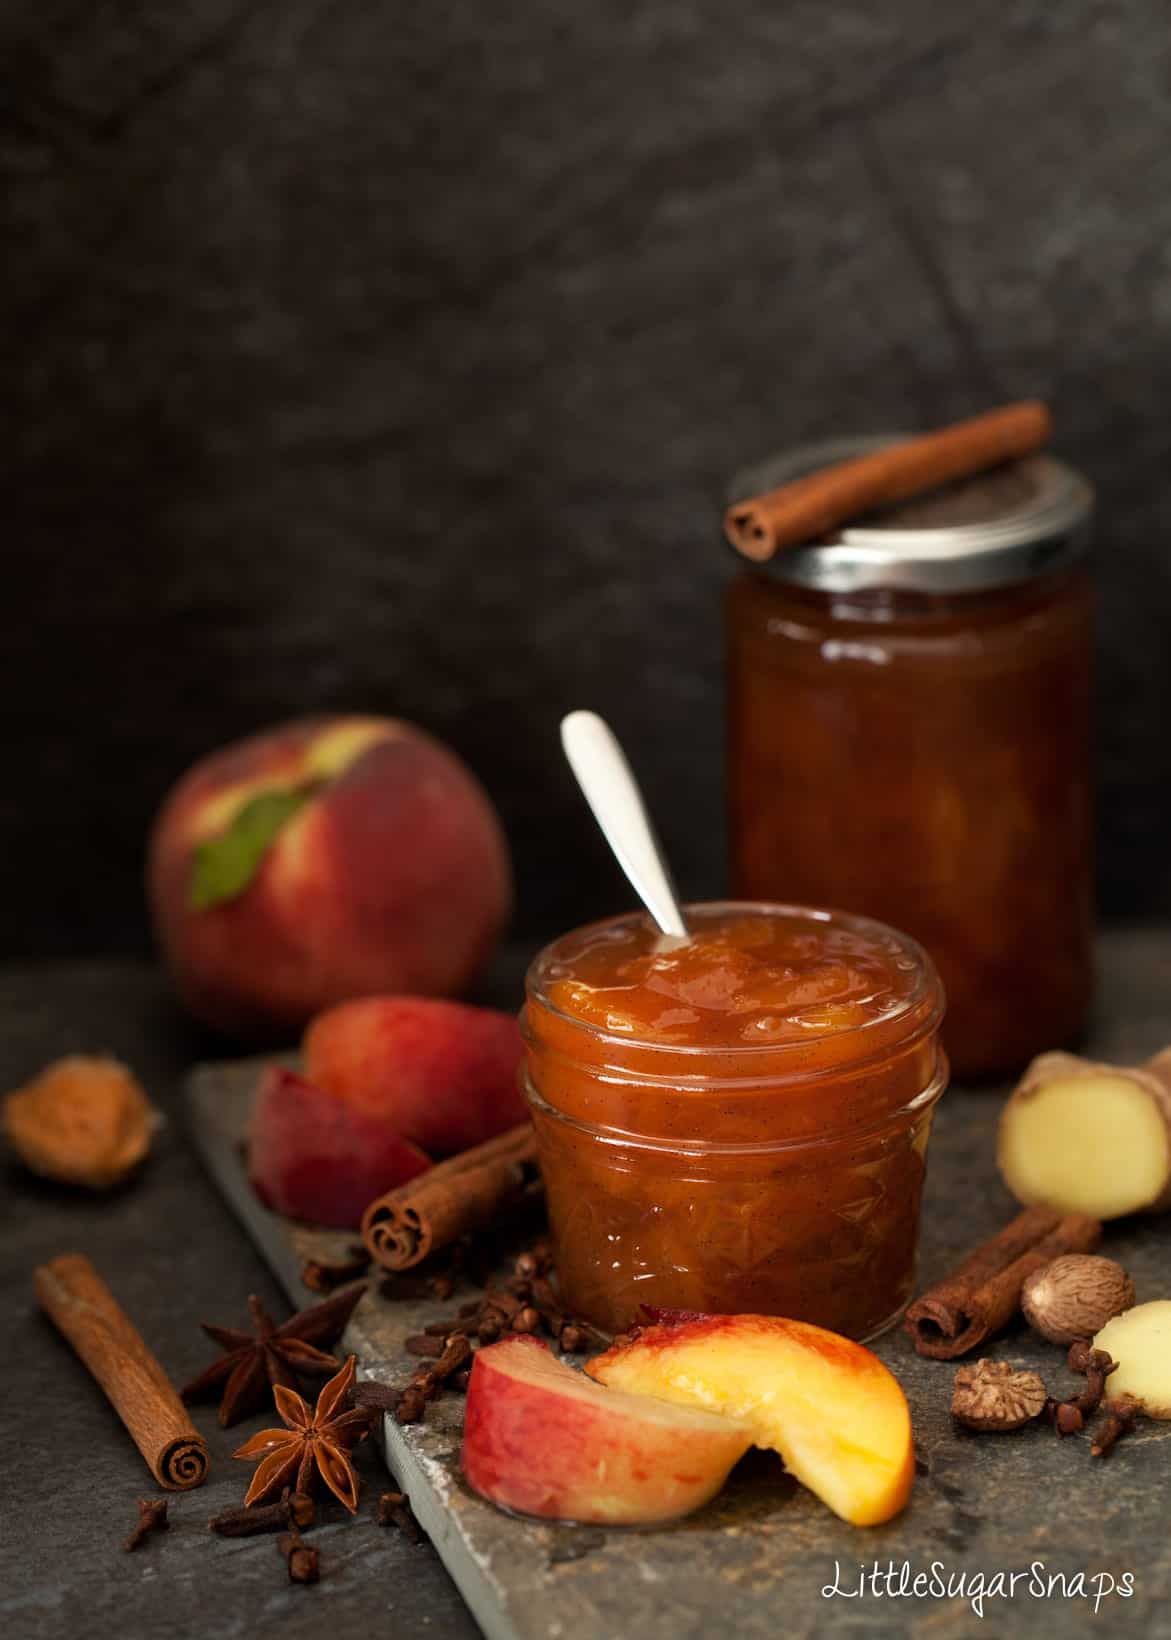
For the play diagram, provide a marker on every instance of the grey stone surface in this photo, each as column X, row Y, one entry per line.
column 397, row 357
column 1023, row 1503
column 173, row 1254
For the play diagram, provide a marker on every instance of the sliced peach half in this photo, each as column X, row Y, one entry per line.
column 542, row 1439
column 831, row 1409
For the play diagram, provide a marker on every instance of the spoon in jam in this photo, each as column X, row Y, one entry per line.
column 611, row 791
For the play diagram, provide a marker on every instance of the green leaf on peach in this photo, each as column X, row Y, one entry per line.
column 224, row 866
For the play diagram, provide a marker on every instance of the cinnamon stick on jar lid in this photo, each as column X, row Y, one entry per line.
column 810, row 506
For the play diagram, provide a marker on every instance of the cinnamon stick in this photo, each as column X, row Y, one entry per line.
column 462, row 1194
column 819, row 502
column 984, row 1294
column 78, row 1302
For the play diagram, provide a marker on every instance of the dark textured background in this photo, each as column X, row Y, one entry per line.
column 396, row 356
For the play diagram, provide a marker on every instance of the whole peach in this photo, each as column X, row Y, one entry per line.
column 389, row 872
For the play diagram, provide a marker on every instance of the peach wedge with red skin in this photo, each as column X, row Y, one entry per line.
column 443, row 1074
column 831, row 1409
column 312, row 1157
column 542, row 1439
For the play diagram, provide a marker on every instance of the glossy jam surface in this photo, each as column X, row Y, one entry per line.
column 744, row 978
column 927, row 761
column 736, row 1123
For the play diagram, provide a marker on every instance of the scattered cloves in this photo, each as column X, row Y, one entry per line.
column 293, row 1510
column 455, row 1352
column 152, row 1517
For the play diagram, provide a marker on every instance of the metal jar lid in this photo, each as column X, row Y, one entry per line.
column 1014, row 523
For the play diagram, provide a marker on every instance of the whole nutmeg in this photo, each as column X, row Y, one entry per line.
column 1075, row 1296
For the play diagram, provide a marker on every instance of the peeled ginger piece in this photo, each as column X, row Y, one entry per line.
column 1140, row 1341
column 1087, row 1138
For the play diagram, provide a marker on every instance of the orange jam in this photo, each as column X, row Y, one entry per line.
column 735, row 1122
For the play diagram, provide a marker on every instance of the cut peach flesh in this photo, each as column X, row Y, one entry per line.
column 831, row 1409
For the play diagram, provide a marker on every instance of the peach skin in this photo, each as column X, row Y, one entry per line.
column 443, row 1074
column 831, row 1409
column 542, row 1439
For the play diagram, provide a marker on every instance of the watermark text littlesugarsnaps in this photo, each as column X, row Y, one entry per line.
column 898, row 1580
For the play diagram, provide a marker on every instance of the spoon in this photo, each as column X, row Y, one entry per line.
column 611, row 791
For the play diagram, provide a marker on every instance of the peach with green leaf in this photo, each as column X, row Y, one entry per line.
column 328, row 858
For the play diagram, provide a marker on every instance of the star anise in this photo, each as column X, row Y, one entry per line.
column 271, row 1356
column 319, row 1440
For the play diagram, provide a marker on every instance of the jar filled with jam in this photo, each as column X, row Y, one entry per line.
column 736, row 1121
column 909, row 737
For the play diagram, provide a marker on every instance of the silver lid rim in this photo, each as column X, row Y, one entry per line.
column 1041, row 537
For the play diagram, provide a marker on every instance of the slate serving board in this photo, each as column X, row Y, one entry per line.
column 758, row 1560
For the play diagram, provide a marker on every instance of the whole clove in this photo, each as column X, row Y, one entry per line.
column 1121, row 1417
column 152, row 1517
column 429, row 1381
column 394, row 1509
column 301, row 1558
column 1069, row 1417
column 322, row 1275
column 292, row 1511
column 1065, row 1416
column 424, row 1343
column 375, row 1397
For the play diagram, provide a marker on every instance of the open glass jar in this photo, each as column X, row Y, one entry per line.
column 909, row 715
column 737, row 1123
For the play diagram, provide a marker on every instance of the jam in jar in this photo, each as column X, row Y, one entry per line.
column 909, row 714
column 736, row 1121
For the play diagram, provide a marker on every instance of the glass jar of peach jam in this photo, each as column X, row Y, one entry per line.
column 909, row 736
column 737, row 1122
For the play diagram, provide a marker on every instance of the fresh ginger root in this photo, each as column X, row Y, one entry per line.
column 1085, row 1138
column 1140, row 1341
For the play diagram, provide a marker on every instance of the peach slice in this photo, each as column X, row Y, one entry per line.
column 313, row 1157
column 545, row 1440
column 831, row 1409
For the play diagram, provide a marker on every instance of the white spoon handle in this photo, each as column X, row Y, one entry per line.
column 610, row 789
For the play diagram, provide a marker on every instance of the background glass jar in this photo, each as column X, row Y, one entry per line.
column 909, row 736
column 783, row 1178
